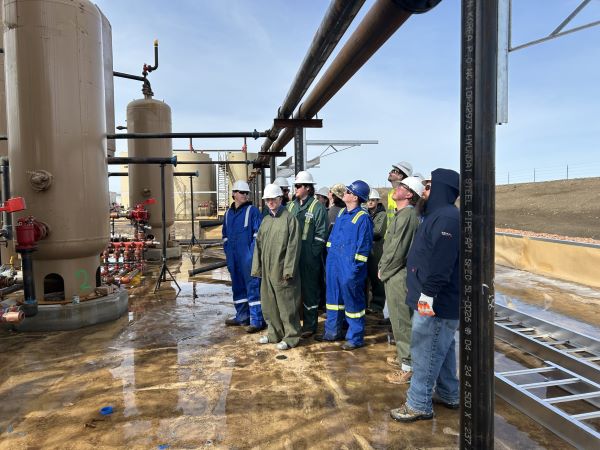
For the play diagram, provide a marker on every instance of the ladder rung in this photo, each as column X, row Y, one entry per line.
column 575, row 350
column 550, row 383
column 586, row 416
column 572, row 398
column 522, row 330
column 539, row 336
column 527, row 371
column 592, row 358
column 557, row 343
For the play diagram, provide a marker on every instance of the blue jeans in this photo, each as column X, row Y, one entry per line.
column 433, row 361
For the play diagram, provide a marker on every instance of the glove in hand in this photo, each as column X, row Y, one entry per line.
column 425, row 305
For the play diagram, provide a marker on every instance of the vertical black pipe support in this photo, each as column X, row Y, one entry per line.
column 298, row 150
column 193, row 241
column 478, row 147
column 30, row 304
column 6, row 217
column 273, row 170
column 263, row 182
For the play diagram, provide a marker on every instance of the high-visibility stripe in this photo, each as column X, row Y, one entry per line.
column 308, row 218
column 328, row 244
column 254, row 303
column 225, row 239
column 358, row 215
column 247, row 216
column 290, row 206
column 241, row 300
column 311, row 307
column 317, row 238
column 335, row 307
column 341, row 212
column 357, row 315
column 360, row 257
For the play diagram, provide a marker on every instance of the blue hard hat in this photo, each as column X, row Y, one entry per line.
column 360, row 189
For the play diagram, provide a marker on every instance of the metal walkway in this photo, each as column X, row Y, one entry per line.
column 563, row 394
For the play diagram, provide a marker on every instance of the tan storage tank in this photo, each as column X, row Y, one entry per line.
column 204, row 186
column 151, row 116
column 57, row 147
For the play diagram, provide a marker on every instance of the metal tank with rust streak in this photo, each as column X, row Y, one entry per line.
column 151, row 116
column 57, row 127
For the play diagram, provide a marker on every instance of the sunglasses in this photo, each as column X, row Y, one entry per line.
column 241, row 192
column 396, row 171
column 348, row 191
column 298, row 186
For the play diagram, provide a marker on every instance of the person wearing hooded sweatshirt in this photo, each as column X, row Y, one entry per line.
column 433, row 293
column 240, row 226
column 379, row 218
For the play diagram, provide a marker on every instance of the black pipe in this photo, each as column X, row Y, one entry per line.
column 210, row 223
column 247, row 162
column 3, row 138
column 477, row 212
column 209, row 135
column 206, row 268
column 129, row 76
column 7, row 228
column 30, row 305
column 10, row 289
column 338, row 17
column 175, row 174
column 141, row 160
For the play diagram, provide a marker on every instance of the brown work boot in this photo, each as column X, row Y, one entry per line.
column 399, row 377
column 393, row 361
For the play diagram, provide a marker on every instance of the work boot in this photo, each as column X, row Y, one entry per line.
column 283, row 346
column 263, row 340
column 393, row 361
column 232, row 322
column 438, row 401
column 306, row 334
column 321, row 338
column 254, row 329
column 348, row 346
column 406, row 414
column 399, row 377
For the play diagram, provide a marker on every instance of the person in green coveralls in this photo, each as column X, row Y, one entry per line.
column 392, row 271
column 379, row 218
column 312, row 218
column 276, row 260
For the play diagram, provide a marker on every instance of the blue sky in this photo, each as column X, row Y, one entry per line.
column 226, row 65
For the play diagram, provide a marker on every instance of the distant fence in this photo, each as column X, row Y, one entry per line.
column 548, row 173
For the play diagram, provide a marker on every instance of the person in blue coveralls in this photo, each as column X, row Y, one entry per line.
column 349, row 246
column 240, row 226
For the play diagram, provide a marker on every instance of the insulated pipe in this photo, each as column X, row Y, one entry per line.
column 380, row 23
column 477, row 215
column 338, row 17
column 206, row 268
column 209, row 135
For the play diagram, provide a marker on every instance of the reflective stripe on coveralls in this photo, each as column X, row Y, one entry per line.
column 350, row 243
column 239, row 233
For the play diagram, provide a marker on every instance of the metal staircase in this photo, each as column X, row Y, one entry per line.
column 222, row 185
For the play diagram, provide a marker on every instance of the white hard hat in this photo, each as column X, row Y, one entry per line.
column 324, row 191
column 405, row 167
column 414, row 184
column 419, row 176
column 272, row 191
column 304, row 177
column 374, row 194
column 427, row 180
column 240, row 185
column 281, row 182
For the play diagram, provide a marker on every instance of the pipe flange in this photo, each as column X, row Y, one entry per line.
column 40, row 180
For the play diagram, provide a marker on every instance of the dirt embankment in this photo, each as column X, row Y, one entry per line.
column 563, row 207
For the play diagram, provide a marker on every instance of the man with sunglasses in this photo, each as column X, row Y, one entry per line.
column 312, row 217
column 398, row 173
column 392, row 271
column 240, row 227
column 349, row 246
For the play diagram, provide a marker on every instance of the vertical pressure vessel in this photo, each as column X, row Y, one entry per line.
column 203, row 186
column 57, row 128
column 151, row 116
